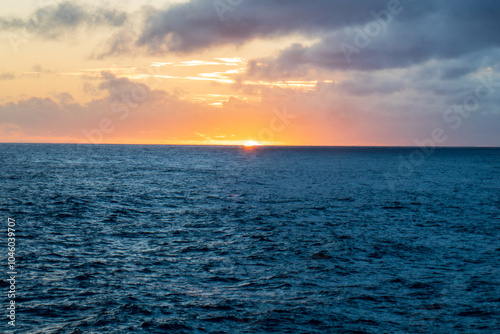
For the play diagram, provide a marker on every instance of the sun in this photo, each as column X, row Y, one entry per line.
column 251, row 143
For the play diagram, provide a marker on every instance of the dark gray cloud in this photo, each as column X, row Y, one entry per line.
column 202, row 24
column 445, row 31
column 199, row 24
column 362, row 84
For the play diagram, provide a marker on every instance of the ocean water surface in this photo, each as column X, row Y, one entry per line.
column 184, row 239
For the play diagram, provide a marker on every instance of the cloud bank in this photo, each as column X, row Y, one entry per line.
column 379, row 112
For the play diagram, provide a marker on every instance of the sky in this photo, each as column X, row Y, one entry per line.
column 276, row 72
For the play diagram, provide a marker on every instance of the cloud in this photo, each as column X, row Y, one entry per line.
column 463, row 30
column 198, row 24
column 381, row 111
column 361, row 84
column 6, row 76
column 358, row 35
column 363, row 35
column 129, row 112
column 54, row 20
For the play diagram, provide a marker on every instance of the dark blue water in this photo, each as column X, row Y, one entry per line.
column 159, row 239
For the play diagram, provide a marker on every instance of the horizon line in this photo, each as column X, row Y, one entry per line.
column 253, row 147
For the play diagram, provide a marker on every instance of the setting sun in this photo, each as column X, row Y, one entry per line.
column 251, row 143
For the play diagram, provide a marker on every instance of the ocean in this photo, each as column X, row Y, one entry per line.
column 203, row 239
